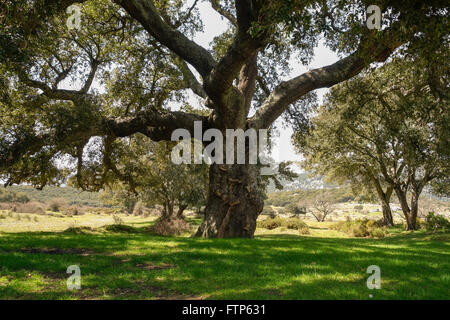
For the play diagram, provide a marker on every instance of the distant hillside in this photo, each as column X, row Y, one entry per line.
column 284, row 198
column 303, row 182
column 342, row 195
column 70, row 195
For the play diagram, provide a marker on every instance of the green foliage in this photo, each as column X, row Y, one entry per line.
column 436, row 222
column 7, row 195
column 406, row 149
column 57, row 204
column 120, row 228
column 170, row 227
column 271, row 223
column 296, row 209
column 295, row 224
column 153, row 179
column 78, row 230
column 70, row 195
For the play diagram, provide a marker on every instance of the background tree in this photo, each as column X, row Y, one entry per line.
column 320, row 205
column 156, row 180
column 387, row 128
column 119, row 195
column 322, row 208
column 140, row 53
column 333, row 152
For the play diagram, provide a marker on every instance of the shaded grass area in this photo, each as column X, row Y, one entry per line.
column 274, row 266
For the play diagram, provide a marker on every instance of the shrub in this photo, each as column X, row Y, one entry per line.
column 434, row 222
column 304, row 230
column 12, row 196
column 120, row 228
column 30, row 207
column 296, row 224
column 278, row 222
column 57, row 204
column 420, row 223
column 271, row 223
column 117, row 220
column 74, row 211
column 377, row 233
column 170, row 227
column 269, row 211
column 295, row 209
column 358, row 207
column 361, row 228
column 371, row 224
column 5, row 206
column 78, row 230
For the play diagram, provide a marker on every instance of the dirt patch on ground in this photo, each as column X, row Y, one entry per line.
column 58, row 251
column 150, row 266
column 273, row 292
column 158, row 293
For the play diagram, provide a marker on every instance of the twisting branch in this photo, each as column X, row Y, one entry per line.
column 247, row 81
column 94, row 66
column 219, row 84
column 146, row 13
column 290, row 91
column 223, row 12
column 189, row 78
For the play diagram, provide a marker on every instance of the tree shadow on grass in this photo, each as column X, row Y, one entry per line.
column 268, row 267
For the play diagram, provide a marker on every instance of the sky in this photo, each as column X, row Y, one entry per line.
column 214, row 25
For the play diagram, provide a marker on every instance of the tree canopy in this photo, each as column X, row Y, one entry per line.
column 386, row 129
column 133, row 61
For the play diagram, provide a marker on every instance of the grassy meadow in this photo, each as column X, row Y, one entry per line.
column 277, row 264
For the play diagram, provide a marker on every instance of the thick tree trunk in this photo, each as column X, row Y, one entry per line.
column 234, row 202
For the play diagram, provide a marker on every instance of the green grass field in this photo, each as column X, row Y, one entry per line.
column 274, row 265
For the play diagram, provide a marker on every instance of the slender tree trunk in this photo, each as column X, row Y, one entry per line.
column 168, row 211
column 385, row 198
column 388, row 221
column 180, row 211
column 234, row 202
column 410, row 215
column 414, row 210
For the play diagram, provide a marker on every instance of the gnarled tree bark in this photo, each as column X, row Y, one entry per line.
column 235, row 201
